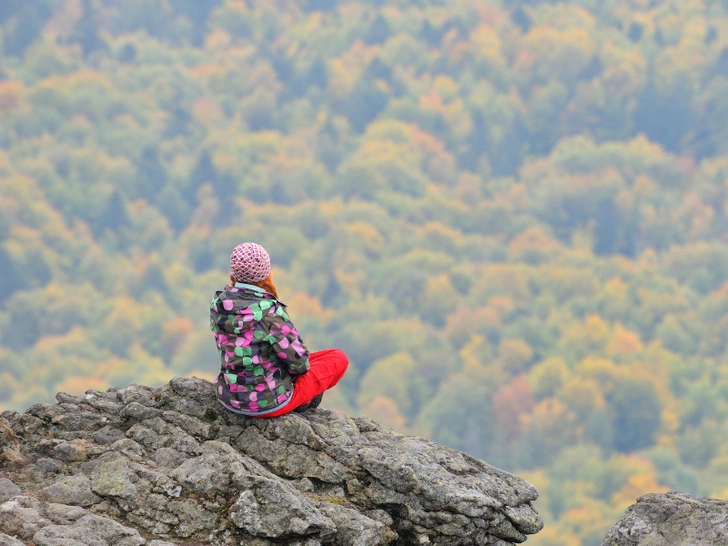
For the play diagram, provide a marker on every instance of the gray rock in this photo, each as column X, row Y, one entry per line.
column 671, row 519
column 8, row 490
column 108, row 435
column 6, row 540
column 273, row 509
column 90, row 530
column 44, row 412
column 79, row 421
column 156, row 433
column 138, row 412
column 109, row 530
column 293, row 448
column 352, row 527
column 63, row 535
column 45, row 447
column 137, row 393
column 22, row 424
column 63, row 514
column 173, row 464
column 21, row 516
column 74, row 490
column 116, row 478
column 129, row 448
column 44, row 465
column 168, row 457
column 69, row 452
column 218, row 469
column 106, row 402
column 65, row 398
column 200, row 430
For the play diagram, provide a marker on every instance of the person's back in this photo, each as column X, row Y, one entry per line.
column 266, row 369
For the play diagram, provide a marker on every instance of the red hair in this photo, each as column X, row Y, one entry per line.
column 266, row 284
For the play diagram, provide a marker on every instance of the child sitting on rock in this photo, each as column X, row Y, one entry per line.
column 266, row 370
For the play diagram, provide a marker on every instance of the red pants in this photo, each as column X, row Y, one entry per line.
column 327, row 367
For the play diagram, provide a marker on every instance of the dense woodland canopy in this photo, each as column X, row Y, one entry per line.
column 511, row 215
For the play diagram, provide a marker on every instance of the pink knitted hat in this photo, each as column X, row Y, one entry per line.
column 249, row 262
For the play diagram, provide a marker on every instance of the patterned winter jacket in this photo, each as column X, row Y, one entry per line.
column 260, row 350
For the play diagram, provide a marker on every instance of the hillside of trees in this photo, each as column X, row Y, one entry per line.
column 512, row 216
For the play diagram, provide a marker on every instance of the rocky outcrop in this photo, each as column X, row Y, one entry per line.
column 156, row 467
column 671, row 519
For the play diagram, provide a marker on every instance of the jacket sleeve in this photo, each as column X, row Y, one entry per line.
column 286, row 343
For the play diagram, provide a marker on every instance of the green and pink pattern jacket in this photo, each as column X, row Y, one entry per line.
column 259, row 347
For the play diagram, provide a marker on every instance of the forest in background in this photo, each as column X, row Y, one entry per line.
column 512, row 216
